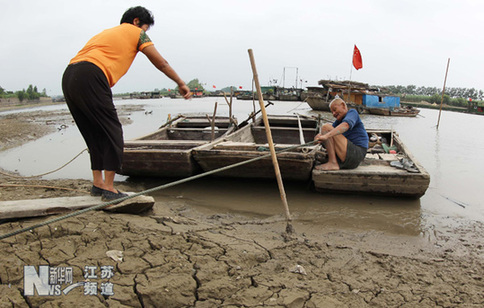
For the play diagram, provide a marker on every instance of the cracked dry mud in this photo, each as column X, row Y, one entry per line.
column 170, row 260
column 174, row 256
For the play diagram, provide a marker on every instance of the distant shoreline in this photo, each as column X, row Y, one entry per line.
column 432, row 106
column 46, row 101
column 7, row 104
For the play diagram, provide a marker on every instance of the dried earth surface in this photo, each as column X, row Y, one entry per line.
column 174, row 256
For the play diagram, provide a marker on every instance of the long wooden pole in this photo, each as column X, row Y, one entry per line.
column 443, row 91
column 289, row 228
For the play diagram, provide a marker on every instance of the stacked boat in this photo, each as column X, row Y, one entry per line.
column 167, row 152
column 251, row 142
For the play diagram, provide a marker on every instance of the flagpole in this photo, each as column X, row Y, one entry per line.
column 351, row 71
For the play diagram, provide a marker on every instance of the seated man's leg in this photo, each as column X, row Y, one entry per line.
column 335, row 147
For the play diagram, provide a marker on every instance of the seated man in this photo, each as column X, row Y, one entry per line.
column 346, row 140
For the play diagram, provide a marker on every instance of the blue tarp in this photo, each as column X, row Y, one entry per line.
column 375, row 101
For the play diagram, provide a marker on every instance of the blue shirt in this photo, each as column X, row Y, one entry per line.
column 357, row 132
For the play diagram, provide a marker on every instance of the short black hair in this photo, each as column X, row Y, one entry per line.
column 144, row 15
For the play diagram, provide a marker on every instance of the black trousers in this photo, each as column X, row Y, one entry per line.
column 90, row 101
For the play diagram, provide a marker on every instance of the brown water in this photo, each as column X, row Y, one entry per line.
column 451, row 154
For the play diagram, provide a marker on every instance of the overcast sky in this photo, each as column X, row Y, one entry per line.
column 401, row 42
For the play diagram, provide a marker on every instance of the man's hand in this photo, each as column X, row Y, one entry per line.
column 160, row 63
column 185, row 91
column 321, row 138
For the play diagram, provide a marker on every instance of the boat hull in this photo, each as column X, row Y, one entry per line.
column 376, row 175
column 396, row 112
column 167, row 152
column 371, row 179
column 317, row 103
column 160, row 160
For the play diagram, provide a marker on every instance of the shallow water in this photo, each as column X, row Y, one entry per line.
column 450, row 154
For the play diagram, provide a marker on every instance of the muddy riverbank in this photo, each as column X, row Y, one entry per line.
column 178, row 256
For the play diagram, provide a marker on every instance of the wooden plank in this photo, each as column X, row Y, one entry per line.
column 372, row 156
column 388, row 157
column 52, row 206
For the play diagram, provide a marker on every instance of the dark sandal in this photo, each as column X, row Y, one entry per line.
column 110, row 196
column 96, row 191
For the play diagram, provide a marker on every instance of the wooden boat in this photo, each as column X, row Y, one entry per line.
column 396, row 112
column 380, row 173
column 167, row 151
column 318, row 103
column 251, row 142
column 289, row 97
column 407, row 111
column 379, row 111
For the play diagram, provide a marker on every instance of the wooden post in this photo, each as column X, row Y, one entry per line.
column 231, row 118
column 289, row 228
column 443, row 91
column 212, row 122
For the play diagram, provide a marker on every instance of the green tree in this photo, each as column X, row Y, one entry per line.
column 228, row 89
column 437, row 99
column 30, row 92
column 195, row 84
column 20, row 95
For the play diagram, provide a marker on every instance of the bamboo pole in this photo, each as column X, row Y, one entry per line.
column 443, row 91
column 289, row 228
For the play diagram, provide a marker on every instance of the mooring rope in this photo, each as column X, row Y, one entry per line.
column 46, row 173
column 191, row 178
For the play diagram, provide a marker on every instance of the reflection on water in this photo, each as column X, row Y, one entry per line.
column 451, row 154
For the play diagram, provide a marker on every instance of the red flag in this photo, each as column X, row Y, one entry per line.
column 357, row 61
column 214, row 86
column 240, row 87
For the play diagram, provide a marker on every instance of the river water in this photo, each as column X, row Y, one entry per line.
column 451, row 154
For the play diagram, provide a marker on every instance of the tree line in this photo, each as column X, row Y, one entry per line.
column 452, row 96
column 31, row 93
column 429, row 91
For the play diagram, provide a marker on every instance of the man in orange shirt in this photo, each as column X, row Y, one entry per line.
column 87, row 83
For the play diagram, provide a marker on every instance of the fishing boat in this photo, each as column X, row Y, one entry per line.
column 407, row 111
column 167, row 152
column 251, row 142
column 317, row 103
column 389, row 168
column 379, row 111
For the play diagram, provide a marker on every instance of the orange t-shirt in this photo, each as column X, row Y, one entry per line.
column 114, row 50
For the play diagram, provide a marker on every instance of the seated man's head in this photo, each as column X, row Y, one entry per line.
column 338, row 108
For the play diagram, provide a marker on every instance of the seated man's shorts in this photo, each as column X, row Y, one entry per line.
column 354, row 156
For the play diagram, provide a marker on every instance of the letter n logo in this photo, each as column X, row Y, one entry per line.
column 39, row 280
